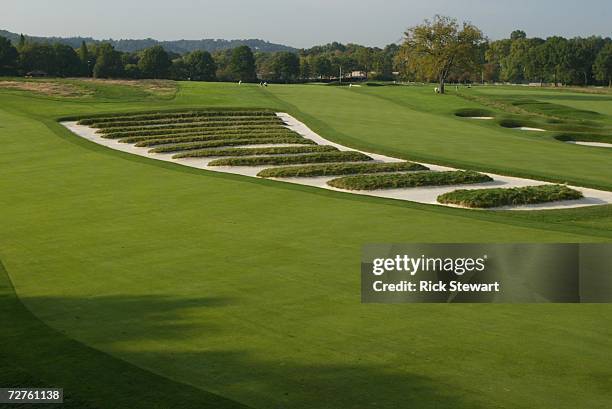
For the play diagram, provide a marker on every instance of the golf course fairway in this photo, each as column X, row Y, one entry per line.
column 245, row 292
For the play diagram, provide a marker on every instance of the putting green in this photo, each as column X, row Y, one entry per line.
column 249, row 289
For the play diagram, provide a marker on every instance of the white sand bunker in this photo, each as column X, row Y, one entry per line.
column 480, row 117
column 595, row 144
column 426, row 195
column 527, row 128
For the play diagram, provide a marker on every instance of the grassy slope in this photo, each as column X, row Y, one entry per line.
column 413, row 123
column 218, row 281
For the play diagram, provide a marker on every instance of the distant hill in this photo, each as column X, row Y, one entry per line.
column 178, row 46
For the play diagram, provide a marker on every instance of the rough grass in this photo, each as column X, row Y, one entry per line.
column 181, row 120
column 339, row 169
column 199, row 130
column 155, row 115
column 228, row 142
column 48, row 88
column 474, row 112
column 584, row 137
column 155, row 87
column 487, row 198
column 348, row 156
column 556, row 110
column 196, row 138
column 279, row 150
column 404, row 180
column 197, row 124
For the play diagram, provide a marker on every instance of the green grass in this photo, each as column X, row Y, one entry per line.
column 249, row 289
column 486, row 198
column 255, row 151
column 403, row 180
column 413, row 123
column 35, row 355
column 324, row 157
column 339, row 169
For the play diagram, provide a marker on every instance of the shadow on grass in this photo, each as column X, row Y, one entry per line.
column 34, row 354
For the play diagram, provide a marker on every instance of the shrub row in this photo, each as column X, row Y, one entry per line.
column 196, row 125
column 404, row 180
column 227, row 129
column 218, row 134
column 166, row 141
column 473, row 112
column 161, row 114
column 168, row 121
column 287, row 160
column 339, row 169
column 487, row 198
column 228, row 142
column 284, row 150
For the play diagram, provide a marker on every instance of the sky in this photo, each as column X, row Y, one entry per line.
column 301, row 23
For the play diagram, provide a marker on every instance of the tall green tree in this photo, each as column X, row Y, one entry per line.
column 37, row 57
column 8, row 57
column 242, row 64
column 437, row 47
column 322, row 66
column 86, row 59
column 200, row 66
column 154, row 62
column 285, row 66
column 108, row 62
column 67, row 62
column 603, row 65
column 305, row 68
column 581, row 58
column 556, row 59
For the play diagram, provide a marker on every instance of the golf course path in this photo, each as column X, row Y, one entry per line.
column 426, row 195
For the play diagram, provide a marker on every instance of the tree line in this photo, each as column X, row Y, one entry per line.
column 439, row 50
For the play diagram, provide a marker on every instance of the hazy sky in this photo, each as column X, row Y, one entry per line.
column 298, row 23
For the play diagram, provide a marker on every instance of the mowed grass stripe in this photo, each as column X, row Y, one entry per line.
column 280, row 150
column 405, row 180
column 230, row 142
column 339, row 169
column 351, row 156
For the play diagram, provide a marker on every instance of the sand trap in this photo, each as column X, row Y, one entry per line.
column 426, row 195
column 480, row 117
column 596, row 144
column 526, row 128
